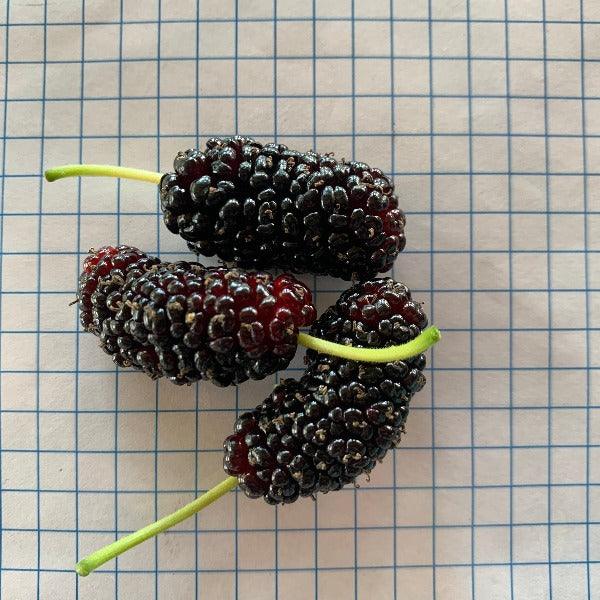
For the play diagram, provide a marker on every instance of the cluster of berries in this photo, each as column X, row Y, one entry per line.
column 262, row 207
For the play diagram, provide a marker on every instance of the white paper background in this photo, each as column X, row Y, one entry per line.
column 487, row 113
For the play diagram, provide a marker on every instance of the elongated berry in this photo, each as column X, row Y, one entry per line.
column 268, row 206
column 320, row 433
column 187, row 322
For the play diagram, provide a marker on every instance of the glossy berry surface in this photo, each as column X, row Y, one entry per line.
column 265, row 206
column 320, row 433
column 187, row 322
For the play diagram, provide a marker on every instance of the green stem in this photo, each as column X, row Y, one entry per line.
column 427, row 338
column 101, row 171
column 93, row 561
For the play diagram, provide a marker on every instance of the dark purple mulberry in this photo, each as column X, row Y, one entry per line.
column 268, row 206
column 321, row 432
column 187, row 322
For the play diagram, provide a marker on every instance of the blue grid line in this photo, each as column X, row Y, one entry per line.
column 431, row 312
column 276, row 139
column 393, row 162
column 371, row 486
column 340, row 18
column 38, row 320
column 270, row 57
column 587, row 303
column 237, row 395
column 314, row 279
column 158, row 229
column 471, row 296
column 549, row 268
column 510, row 305
column 465, row 525
column 325, row 569
column 460, row 407
column 2, row 188
column 197, row 391
column 353, row 153
column 77, row 325
column 118, row 237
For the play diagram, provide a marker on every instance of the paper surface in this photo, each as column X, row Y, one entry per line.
column 494, row 151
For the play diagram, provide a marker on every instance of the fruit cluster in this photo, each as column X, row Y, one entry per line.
column 258, row 207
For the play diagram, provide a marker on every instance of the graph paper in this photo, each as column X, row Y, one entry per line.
column 487, row 113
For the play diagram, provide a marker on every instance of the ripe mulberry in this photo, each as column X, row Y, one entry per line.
column 321, row 432
column 268, row 206
column 187, row 322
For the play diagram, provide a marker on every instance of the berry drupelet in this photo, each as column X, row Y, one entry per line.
column 321, row 432
column 268, row 206
column 187, row 322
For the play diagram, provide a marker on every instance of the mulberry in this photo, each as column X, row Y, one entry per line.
column 321, row 432
column 187, row 322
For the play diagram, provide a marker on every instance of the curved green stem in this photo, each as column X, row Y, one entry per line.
column 427, row 338
column 101, row 171
column 93, row 561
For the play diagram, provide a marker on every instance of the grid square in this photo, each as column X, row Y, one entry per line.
column 491, row 388
column 215, row 39
column 371, row 38
column 453, row 545
column 530, row 544
column 450, row 115
column 526, row 40
column 492, row 506
column 490, row 154
column 492, row 545
column 488, row 77
column 294, row 77
column 564, row 78
column 449, row 39
column 563, row 40
column 530, row 427
column 451, row 153
column 491, row 428
column 410, row 39
column 571, row 581
column 333, row 76
column 531, row 581
column 456, row 580
column 26, row 80
column 372, row 76
column 487, row 39
column 26, row 43
column 447, row 77
column 414, row 546
column 176, row 39
column 526, row 77
column 333, row 38
column 412, row 115
column 453, row 507
column 139, row 40
column 101, row 41
column 491, row 466
column 255, row 38
column 530, row 505
column 569, row 504
column 373, row 115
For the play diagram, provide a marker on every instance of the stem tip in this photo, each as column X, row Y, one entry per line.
column 82, row 569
